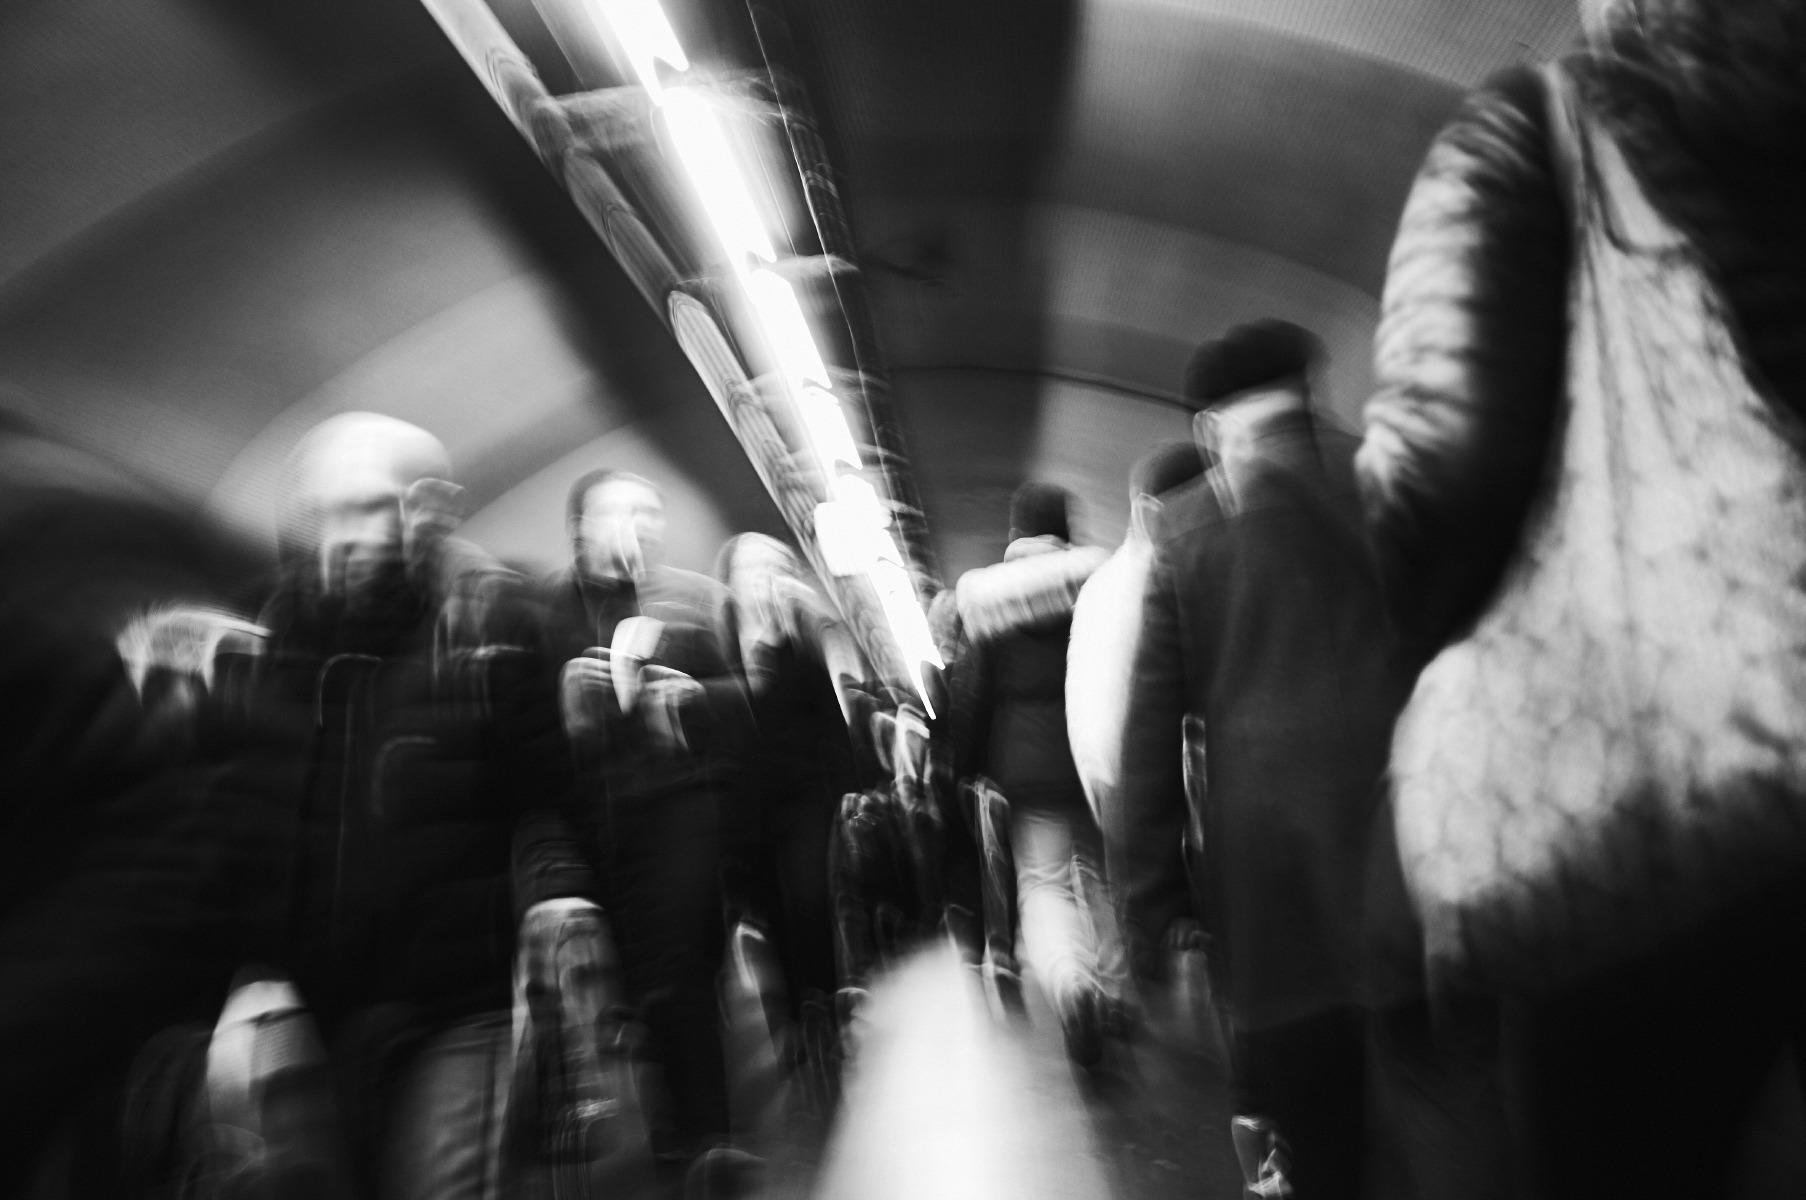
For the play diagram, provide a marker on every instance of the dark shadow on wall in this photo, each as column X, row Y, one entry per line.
column 941, row 117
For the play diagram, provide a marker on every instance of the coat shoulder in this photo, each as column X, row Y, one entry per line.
column 1189, row 512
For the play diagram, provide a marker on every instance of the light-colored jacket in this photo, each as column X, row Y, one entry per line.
column 1100, row 664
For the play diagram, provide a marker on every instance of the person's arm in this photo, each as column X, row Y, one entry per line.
column 1145, row 843
column 549, row 862
column 969, row 704
column 1469, row 359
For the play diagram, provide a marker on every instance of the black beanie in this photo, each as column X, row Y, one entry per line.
column 1040, row 510
column 1165, row 467
column 1250, row 356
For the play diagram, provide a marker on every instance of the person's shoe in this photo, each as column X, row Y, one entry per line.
column 1264, row 1157
column 1003, row 987
column 1120, row 1020
column 724, row 1173
column 1082, row 1024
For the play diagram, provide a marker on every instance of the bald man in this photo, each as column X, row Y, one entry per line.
column 410, row 723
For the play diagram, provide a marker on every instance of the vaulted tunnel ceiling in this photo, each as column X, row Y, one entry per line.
column 222, row 219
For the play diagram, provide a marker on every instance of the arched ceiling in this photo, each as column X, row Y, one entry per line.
column 221, row 217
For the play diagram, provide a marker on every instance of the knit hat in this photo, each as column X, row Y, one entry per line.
column 1040, row 510
column 1250, row 356
column 1164, row 468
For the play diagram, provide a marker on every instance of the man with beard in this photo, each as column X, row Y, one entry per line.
column 658, row 728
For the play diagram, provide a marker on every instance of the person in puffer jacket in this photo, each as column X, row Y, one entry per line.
column 1635, row 1079
column 1010, row 727
column 409, row 722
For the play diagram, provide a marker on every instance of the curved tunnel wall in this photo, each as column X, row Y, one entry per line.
column 355, row 258
column 1055, row 201
column 1205, row 162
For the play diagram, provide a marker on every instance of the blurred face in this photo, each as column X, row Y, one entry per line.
column 622, row 531
column 353, row 478
column 757, row 567
column 361, row 534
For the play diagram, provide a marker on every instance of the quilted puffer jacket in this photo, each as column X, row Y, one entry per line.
column 1010, row 678
column 1470, row 350
column 413, row 746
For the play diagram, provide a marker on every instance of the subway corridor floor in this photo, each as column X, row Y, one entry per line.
column 945, row 1099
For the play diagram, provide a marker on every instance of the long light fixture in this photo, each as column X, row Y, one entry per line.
column 852, row 524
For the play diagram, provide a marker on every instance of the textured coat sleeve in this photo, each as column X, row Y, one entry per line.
column 1469, row 360
column 1144, row 844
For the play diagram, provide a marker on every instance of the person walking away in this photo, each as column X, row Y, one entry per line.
column 1583, row 475
column 1263, row 621
column 1100, row 664
column 1010, row 728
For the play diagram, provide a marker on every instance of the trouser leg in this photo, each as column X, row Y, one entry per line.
column 799, row 851
column 1099, row 905
column 667, row 911
column 1308, row 1078
column 1436, row 1109
column 1057, row 935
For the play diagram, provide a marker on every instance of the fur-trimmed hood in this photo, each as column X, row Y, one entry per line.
column 1037, row 582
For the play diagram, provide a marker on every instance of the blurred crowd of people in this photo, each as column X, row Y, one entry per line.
column 1471, row 751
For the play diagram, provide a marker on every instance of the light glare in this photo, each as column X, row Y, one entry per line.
column 646, row 35
column 786, row 331
column 709, row 164
column 828, row 430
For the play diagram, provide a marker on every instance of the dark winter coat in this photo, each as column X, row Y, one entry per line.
column 569, row 838
column 412, row 748
column 1263, row 619
column 1009, row 680
column 124, row 864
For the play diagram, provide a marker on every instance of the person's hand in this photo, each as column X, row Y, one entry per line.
column 565, row 967
column 664, row 695
column 543, row 928
column 584, row 689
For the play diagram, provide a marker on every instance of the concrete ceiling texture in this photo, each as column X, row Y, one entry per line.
column 221, row 220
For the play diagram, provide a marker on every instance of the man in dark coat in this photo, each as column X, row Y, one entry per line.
column 658, row 727
column 410, row 724
column 1263, row 620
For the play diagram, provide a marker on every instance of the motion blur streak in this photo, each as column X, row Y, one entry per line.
column 943, row 1102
